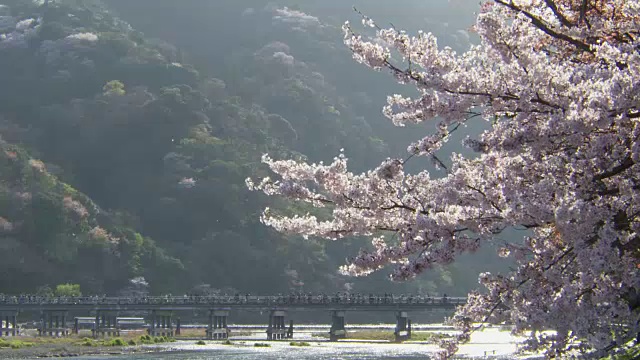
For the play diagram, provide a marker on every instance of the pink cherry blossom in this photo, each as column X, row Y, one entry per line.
column 558, row 82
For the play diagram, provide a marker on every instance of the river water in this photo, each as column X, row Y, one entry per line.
column 489, row 343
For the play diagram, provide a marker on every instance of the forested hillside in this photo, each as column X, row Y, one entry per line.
column 124, row 153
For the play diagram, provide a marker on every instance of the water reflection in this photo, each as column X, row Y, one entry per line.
column 490, row 343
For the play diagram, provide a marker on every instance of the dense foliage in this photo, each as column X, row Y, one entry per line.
column 281, row 58
column 557, row 80
column 50, row 231
column 119, row 161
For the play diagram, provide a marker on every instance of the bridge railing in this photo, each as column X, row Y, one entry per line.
column 268, row 300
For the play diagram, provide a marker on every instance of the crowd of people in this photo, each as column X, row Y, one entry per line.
column 237, row 299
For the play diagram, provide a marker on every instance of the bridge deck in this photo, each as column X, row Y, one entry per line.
column 365, row 303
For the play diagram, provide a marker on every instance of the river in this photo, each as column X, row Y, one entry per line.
column 489, row 343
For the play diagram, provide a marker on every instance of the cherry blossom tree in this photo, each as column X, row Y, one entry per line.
column 558, row 81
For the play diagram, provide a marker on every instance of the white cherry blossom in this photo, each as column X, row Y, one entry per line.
column 558, row 81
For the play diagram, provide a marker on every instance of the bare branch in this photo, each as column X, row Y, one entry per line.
column 583, row 12
column 439, row 162
column 626, row 164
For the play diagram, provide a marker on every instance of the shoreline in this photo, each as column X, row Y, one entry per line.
column 34, row 347
column 71, row 351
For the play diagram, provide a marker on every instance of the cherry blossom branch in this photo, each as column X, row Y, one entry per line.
column 556, row 160
column 495, row 206
column 630, row 335
column 546, row 29
column 583, row 11
column 563, row 20
column 627, row 163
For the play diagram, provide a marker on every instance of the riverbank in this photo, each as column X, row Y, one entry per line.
column 491, row 342
column 30, row 347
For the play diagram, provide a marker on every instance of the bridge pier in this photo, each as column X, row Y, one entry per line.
column 277, row 329
column 10, row 323
column 337, row 330
column 53, row 323
column 106, row 324
column 161, row 323
column 402, row 331
column 218, row 328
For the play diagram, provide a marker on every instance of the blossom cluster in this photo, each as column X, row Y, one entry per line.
column 6, row 225
column 75, row 207
column 98, row 233
column 55, row 51
column 16, row 33
column 558, row 83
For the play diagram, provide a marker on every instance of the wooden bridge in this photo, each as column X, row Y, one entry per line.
column 161, row 310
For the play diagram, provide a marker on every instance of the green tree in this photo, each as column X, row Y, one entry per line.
column 67, row 290
column 114, row 88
